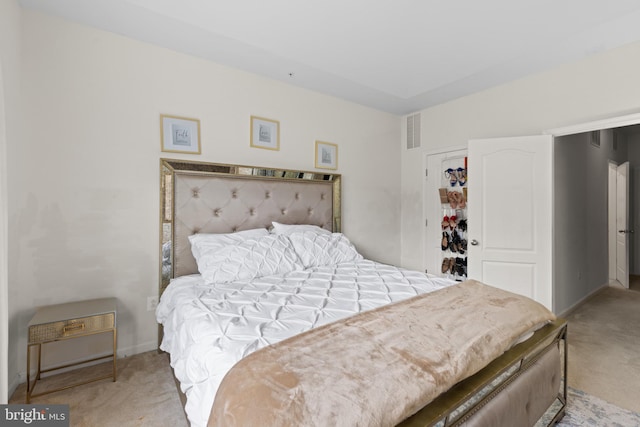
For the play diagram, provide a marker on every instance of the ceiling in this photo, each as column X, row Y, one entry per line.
column 398, row 56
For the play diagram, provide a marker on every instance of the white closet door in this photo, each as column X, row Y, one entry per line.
column 510, row 214
column 622, row 224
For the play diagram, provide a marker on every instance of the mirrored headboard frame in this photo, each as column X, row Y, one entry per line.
column 173, row 170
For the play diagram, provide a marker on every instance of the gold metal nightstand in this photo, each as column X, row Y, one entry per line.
column 67, row 321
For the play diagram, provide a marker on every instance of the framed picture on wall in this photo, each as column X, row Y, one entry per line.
column 326, row 155
column 180, row 134
column 265, row 133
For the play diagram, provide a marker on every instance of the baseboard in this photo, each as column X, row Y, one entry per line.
column 13, row 384
column 567, row 312
column 137, row 349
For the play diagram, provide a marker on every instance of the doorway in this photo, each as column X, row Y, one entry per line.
column 437, row 207
column 630, row 136
column 582, row 245
column 589, row 196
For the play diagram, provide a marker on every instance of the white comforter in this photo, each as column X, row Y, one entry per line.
column 209, row 327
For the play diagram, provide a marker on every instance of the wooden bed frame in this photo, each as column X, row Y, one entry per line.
column 218, row 198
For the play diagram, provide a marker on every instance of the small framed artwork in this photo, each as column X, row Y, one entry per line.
column 180, row 134
column 326, row 155
column 265, row 133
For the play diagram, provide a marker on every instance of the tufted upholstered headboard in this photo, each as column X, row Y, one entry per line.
column 198, row 197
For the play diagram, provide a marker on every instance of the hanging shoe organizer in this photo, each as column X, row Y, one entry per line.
column 453, row 198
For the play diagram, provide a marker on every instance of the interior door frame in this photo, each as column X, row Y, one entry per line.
column 609, row 123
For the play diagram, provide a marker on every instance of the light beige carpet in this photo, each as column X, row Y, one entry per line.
column 143, row 395
column 604, row 347
column 604, row 360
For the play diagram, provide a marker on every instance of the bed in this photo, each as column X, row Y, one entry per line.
column 252, row 259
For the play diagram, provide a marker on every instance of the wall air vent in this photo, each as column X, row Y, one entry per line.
column 413, row 131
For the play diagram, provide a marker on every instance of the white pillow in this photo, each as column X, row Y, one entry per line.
column 318, row 249
column 296, row 228
column 241, row 261
column 212, row 242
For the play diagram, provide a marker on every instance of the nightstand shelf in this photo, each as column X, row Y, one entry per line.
column 68, row 321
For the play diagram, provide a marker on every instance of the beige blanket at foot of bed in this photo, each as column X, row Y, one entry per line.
column 378, row 367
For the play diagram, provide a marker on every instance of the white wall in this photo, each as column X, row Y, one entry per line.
column 601, row 86
column 9, row 135
column 570, row 222
column 84, row 181
column 4, row 276
column 581, row 235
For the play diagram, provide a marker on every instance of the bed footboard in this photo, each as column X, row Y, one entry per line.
column 415, row 350
column 524, row 386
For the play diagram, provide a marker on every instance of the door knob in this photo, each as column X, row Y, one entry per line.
column 625, row 231
column 474, row 242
